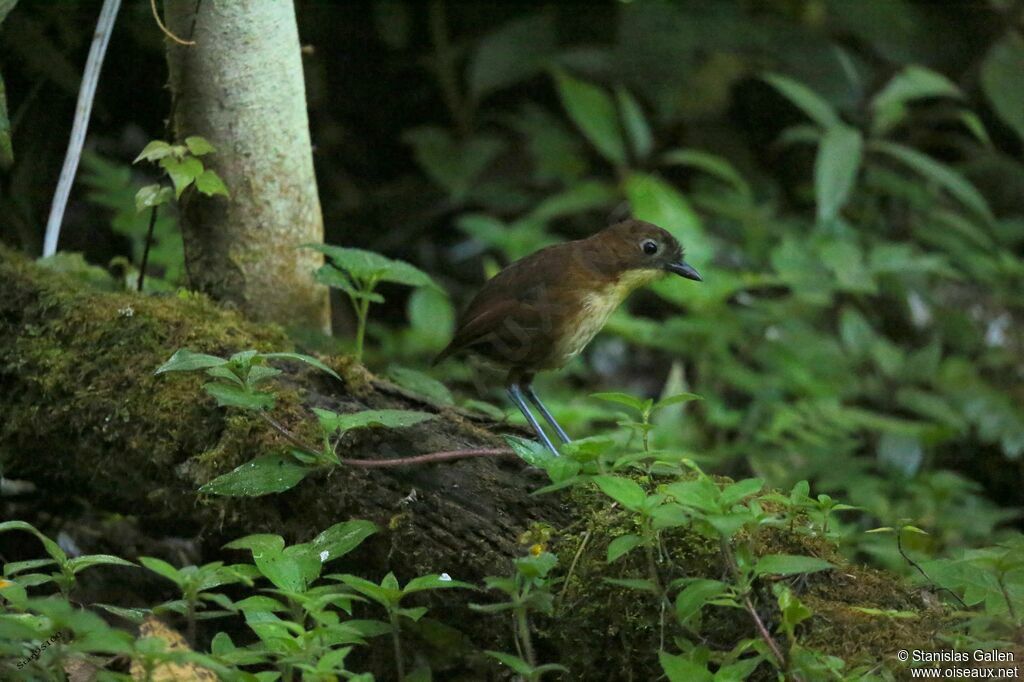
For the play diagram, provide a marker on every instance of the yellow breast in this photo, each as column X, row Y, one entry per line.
column 594, row 310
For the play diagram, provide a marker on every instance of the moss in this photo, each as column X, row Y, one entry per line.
column 603, row 631
column 76, row 367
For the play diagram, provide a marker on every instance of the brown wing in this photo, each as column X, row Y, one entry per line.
column 513, row 318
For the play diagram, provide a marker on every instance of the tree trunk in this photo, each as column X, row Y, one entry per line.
column 86, row 420
column 241, row 87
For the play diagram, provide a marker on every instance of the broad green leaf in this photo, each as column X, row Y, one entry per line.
column 1001, row 80
column 186, row 361
column 199, row 145
column 182, row 172
column 695, row 595
column 517, row 664
column 735, row 492
column 384, row 594
column 789, row 564
column 455, row 164
column 637, row 404
column 421, row 383
column 700, row 494
column 622, row 545
column 635, row 122
column 83, row 562
column 369, row 266
column 152, row 195
column 625, row 491
column 514, row 52
column 299, row 357
column 210, row 184
column 676, row 399
column 162, row 568
column 912, row 83
column 937, row 172
column 679, row 669
column 342, row 538
column 593, row 112
column 261, row 476
column 808, row 101
column 389, row 419
column 258, row 542
column 713, row 165
column 16, row 567
column 51, row 547
column 836, row 168
column 435, row 582
column 230, row 395
column 530, row 451
column 154, row 151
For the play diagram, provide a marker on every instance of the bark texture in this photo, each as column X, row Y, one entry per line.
column 110, row 445
column 241, row 87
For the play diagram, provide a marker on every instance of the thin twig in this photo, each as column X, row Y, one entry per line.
column 145, row 250
column 906, row 557
column 572, row 566
column 167, row 31
column 83, row 109
column 748, row 604
column 430, row 458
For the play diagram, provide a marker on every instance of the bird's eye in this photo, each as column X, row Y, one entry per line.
column 649, row 246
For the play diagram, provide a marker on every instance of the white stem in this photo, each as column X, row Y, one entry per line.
column 91, row 76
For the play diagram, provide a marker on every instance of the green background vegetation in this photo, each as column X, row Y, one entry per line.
column 846, row 175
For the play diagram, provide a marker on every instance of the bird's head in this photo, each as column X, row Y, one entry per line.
column 642, row 250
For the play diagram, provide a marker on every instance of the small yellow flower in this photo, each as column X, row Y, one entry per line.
column 5, row 583
column 537, row 549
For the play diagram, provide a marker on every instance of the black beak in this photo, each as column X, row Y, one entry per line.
column 684, row 269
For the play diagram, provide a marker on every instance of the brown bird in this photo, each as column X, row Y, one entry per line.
column 542, row 310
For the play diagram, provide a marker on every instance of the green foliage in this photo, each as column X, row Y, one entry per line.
column 183, row 166
column 357, row 273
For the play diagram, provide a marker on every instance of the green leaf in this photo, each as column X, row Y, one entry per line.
column 16, row 567
column 676, row 399
column 637, row 404
column 421, row 383
column 735, row 492
column 937, row 172
column 342, row 538
column 182, row 172
column 366, row 266
column 299, row 357
column 86, row 561
column 186, row 361
column 835, row 170
column 593, row 112
column 789, row 564
column 152, row 195
column 230, row 395
column 389, row 419
column 622, row 545
column 1000, row 80
column 261, row 476
column 912, row 83
column 517, row 664
column 695, row 595
column 808, row 101
column 210, row 184
column 154, row 151
column 625, row 491
column 435, row 582
column 51, row 547
column 199, row 145
column 516, row 51
column 162, row 568
column 453, row 163
column 679, row 669
column 639, row 132
column 713, row 165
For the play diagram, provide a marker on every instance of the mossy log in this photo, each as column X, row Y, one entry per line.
column 84, row 418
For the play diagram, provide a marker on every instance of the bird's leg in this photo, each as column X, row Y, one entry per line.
column 516, row 394
column 535, row 399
